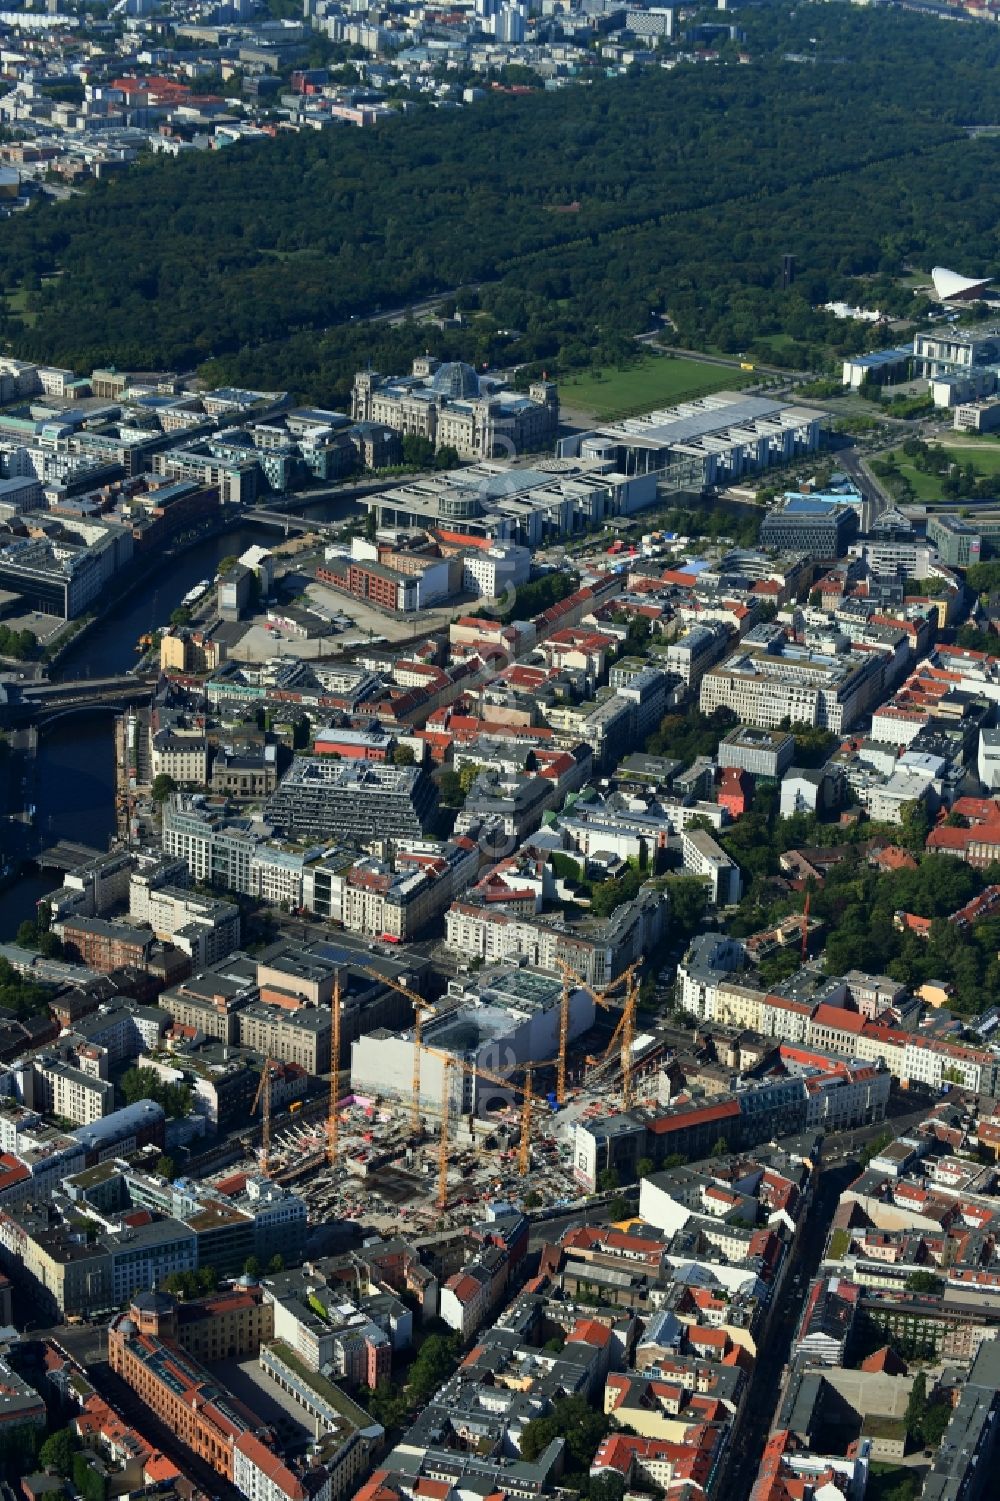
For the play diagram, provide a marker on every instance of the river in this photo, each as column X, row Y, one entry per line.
column 74, row 796
column 109, row 647
column 75, row 763
column 74, row 790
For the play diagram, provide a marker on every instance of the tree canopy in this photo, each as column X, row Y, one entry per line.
column 572, row 1419
column 146, row 1084
column 19, row 995
column 253, row 261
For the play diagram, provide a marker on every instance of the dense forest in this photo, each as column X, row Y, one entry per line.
column 570, row 217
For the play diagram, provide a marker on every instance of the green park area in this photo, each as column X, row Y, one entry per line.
column 934, row 471
column 657, row 380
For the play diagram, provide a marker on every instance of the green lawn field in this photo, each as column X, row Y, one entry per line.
column 982, row 454
column 656, row 381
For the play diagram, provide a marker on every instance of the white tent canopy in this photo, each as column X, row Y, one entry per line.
column 948, row 284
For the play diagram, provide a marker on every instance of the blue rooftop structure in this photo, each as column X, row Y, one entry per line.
column 881, row 357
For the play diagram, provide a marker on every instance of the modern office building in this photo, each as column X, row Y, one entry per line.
column 958, row 544
column 977, row 417
column 321, row 798
column 235, row 474
column 65, row 570
column 961, row 363
column 493, row 503
column 882, row 367
column 952, row 350
column 215, row 846
column 811, row 525
column 764, row 753
column 708, row 441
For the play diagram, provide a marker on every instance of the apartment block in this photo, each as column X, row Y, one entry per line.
column 202, row 927
column 693, row 654
column 598, row 955
column 702, row 856
column 299, row 1036
column 57, row 1088
column 215, row 846
column 400, row 903
column 781, row 681
column 105, row 946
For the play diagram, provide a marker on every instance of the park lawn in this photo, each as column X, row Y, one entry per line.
column 657, row 380
column 925, row 486
column 17, row 303
column 914, row 279
column 781, row 348
column 983, row 456
column 981, row 451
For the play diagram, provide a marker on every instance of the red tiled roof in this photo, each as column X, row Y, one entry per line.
column 159, row 1468
column 464, row 1287
column 704, row 1115
column 703, row 1334
column 12, row 1171
column 951, row 839
column 894, row 858
column 590, row 1332
column 835, row 1016
column 271, row 1465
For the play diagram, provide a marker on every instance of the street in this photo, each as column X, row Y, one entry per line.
column 740, row 1470
column 840, row 1155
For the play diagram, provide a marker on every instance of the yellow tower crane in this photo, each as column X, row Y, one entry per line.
column 627, row 1025
column 567, row 974
column 524, row 1149
column 451, row 1064
column 624, row 1034
column 263, row 1095
column 333, row 1117
column 600, row 996
column 421, row 1008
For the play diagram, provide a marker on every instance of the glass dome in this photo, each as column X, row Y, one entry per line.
column 455, row 380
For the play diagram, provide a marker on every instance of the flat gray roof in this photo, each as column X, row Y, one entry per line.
column 693, row 420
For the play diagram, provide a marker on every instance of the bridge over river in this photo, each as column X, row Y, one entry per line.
column 44, row 703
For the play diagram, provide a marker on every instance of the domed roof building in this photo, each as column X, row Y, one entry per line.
column 457, row 381
column 453, row 406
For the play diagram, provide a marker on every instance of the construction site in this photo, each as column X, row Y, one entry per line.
column 427, row 1151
